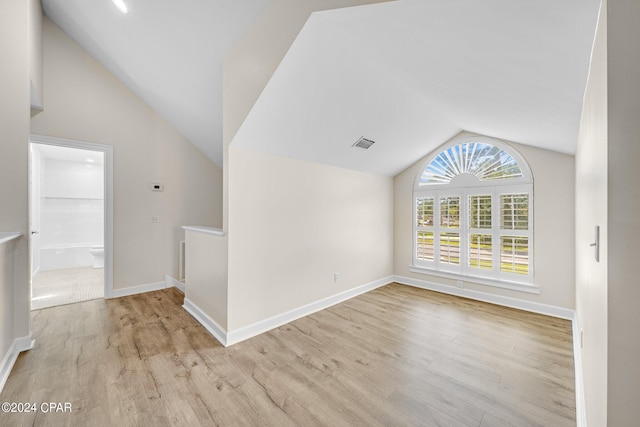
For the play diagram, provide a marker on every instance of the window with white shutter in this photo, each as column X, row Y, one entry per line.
column 473, row 206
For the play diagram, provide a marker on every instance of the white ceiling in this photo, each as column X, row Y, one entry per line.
column 69, row 154
column 168, row 52
column 408, row 74
column 411, row 74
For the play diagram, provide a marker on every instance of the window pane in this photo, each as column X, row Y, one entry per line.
column 485, row 161
column 450, row 248
column 514, row 211
column 480, row 253
column 480, row 211
column 424, row 248
column 450, row 212
column 424, row 210
column 514, row 254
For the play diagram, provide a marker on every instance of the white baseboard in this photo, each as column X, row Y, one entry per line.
column 581, row 410
column 9, row 359
column 140, row 289
column 171, row 282
column 535, row 307
column 265, row 325
column 209, row 324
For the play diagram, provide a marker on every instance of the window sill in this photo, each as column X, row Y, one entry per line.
column 514, row 286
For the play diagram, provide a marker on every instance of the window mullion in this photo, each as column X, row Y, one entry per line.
column 436, row 230
column 495, row 231
column 464, row 232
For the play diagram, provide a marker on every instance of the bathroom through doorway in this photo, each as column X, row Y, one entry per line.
column 67, row 199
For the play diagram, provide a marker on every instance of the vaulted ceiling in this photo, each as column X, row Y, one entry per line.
column 408, row 74
column 168, row 52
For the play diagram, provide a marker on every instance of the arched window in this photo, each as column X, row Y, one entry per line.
column 473, row 212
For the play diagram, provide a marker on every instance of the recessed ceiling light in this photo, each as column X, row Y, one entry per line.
column 120, row 5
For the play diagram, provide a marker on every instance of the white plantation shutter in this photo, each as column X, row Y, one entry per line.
column 473, row 213
column 514, row 254
column 485, row 161
column 424, row 229
column 515, row 233
column 514, row 211
column 481, row 251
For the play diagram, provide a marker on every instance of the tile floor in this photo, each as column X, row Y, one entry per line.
column 66, row 286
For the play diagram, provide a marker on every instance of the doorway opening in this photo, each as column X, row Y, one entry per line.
column 70, row 221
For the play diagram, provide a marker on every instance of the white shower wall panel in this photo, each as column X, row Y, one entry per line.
column 56, row 258
column 72, row 180
column 71, row 222
column 72, row 212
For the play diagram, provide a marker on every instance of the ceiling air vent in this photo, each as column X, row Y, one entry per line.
column 363, row 143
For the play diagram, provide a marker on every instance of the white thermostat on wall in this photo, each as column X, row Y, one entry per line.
column 156, row 186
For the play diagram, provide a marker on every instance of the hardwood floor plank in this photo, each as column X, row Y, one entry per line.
column 395, row 356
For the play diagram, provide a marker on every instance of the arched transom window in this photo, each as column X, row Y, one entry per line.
column 473, row 212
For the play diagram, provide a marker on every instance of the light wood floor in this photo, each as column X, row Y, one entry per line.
column 394, row 356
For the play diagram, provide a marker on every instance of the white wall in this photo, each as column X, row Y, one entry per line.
column 7, row 295
column 14, row 134
column 591, row 210
column 36, row 70
column 292, row 224
column 206, row 274
column 261, row 283
column 85, row 102
column 251, row 62
column 553, row 175
column 68, row 179
column 35, row 200
column 623, row 154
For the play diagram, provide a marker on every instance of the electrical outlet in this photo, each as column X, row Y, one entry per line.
column 155, row 219
column 459, row 284
column 336, row 277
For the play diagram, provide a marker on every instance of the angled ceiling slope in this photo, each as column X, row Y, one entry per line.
column 167, row 52
column 411, row 74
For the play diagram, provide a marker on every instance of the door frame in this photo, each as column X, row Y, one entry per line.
column 107, row 150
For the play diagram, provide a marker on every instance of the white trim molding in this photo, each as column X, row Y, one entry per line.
column 17, row 346
column 505, row 284
column 581, row 410
column 133, row 290
column 108, row 196
column 207, row 322
column 534, row 307
column 171, row 282
column 265, row 325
